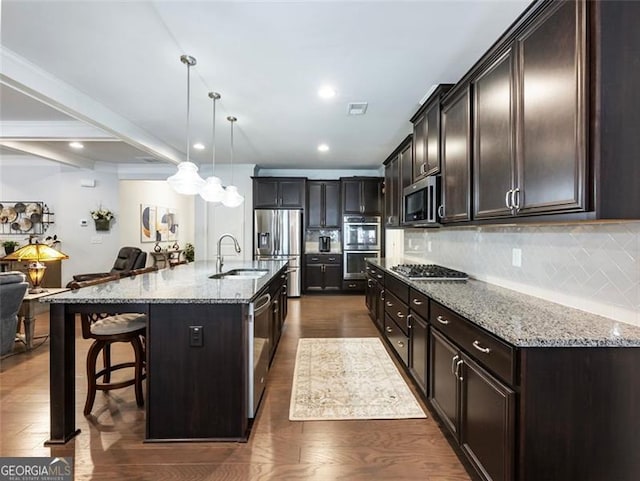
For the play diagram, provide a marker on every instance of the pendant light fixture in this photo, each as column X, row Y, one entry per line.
column 212, row 191
column 187, row 181
column 232, row 197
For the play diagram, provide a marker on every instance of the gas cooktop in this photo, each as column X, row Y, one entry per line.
column 430, row 272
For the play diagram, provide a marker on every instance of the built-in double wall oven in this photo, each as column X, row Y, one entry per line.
column 362, row 238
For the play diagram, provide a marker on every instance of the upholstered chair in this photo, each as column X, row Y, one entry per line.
column 13, row 287
column 129, row 258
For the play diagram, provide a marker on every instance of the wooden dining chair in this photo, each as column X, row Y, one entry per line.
column 106, row 329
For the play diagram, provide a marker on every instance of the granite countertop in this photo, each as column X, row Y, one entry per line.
column 520, row 319
column 186, row 283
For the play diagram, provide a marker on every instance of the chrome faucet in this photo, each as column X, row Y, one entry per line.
column 219, row 258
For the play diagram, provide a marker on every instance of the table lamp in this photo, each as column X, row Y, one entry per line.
column 36, row 254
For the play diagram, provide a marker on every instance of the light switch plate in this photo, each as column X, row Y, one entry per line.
column 516, row 257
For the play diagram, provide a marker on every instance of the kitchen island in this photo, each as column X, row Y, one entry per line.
column 203, row 348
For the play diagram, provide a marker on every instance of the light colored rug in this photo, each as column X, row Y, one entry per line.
column 348, row 378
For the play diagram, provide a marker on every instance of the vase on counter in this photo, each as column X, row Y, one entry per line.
column 102, row 224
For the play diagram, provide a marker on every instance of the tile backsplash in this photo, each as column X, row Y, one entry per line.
column 593, row 267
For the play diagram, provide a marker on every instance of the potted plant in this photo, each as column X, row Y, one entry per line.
column 102, row 218
column 9, row 246
column 189, row 252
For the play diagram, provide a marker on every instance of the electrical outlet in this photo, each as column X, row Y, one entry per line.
column 516, row 257
column 196, row 335
column 83, row 223
column 429, row 246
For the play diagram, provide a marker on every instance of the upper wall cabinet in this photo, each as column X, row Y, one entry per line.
column 323, row 204
column 529, row 126
column 456, row 156
column 397, row 175
column 361, row 195
column 426, row 135
column 279, row 192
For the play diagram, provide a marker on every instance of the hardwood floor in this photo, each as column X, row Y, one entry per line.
column 110, row 445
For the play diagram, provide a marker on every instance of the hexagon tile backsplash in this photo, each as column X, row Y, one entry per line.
column 594, row 267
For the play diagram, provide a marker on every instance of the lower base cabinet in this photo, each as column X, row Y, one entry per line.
column 418, row 350
column 323, row 272
column 487, row 421
column 444, row 392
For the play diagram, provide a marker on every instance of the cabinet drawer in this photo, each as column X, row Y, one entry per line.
column 419, row 302
column 375, row 273
column 494, row 354
column 397, row 339
column 323, row 259
column 397, row 287
column 354, row 285
column 397, row 310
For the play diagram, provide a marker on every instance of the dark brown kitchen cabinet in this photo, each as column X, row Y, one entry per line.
column 362, row 195
column 323, row 204
column 529, row 124
column 487, row 421
column 551, row 105
column 456, row 157
column 279, row 192
column 323, row 272
column 494, row 138
column 418, row 350
column 398, row 175
column 444, row 388
column 475, row 406
column 426, row 135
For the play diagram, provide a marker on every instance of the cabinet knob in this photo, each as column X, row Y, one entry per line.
column 389, row 304
column 417, row 302
column 388, row 329
column 400, row 315
column 400, row 343
column 442, row 320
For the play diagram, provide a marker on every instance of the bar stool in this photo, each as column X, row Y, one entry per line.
column 106, row 329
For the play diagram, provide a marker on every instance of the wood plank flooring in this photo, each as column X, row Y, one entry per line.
column 110, row 445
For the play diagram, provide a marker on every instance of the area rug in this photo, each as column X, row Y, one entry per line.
column 348, row 378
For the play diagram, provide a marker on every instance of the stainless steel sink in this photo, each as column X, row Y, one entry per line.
column 240, row 274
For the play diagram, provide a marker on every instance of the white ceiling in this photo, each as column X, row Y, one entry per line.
column 115, row 66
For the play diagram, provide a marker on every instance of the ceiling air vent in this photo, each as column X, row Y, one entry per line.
column 357, row 108
column 149, row 160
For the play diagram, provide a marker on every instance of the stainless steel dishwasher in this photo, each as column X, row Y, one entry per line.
column 259, row 347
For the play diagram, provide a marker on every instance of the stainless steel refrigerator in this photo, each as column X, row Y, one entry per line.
column 278, row 236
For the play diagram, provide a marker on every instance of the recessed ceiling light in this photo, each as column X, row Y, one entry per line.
column 198, row 146
column 323, row 148
column 327, row 92
column 76, row 145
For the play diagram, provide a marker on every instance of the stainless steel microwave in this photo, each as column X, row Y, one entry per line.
column 421, row 201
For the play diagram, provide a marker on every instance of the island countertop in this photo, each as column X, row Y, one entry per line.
column 521, row 319
column 185, row 283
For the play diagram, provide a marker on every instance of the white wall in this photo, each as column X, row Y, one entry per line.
column 211, row 221
column 593, row 267
column 134, row 193
column 30, row 178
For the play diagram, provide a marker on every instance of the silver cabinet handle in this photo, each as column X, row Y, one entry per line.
column 453, row 363
column 417, row 302
column 516, row 194
column 388, row 329
column 441, row 210
column 258, row 310
column 314, row 258
column 369, row 283
column 477, row 345
column 352, row 286
column 400, row 315
column 458, row 364
column 442, row 320
column 389, row 304
column 507, row 199
column 400, row 343
column 379, row 276
column 382, row 294
column 332, row 258
column 409, row 324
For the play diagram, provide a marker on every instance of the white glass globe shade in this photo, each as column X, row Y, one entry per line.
column 212, row 190
column 186, row 181
column 231, row 197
